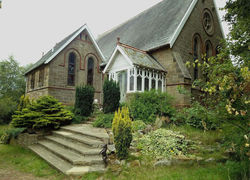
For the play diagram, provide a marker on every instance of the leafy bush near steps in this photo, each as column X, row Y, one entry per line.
column 111, row 96
column 138, row 125
column 148, row 105
column 104, row 120
column 197, row 116
column 163, row 143
column 121, row 127
column 10, row 133
column 45, row 112
column 84, row 99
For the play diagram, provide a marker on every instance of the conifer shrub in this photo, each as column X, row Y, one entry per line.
column 148, row 105
column 45, row 112
column 84, row 99
column 23, row 102
column 121, row 127
column 111, row 96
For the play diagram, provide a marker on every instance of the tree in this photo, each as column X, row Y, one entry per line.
column 12, row 81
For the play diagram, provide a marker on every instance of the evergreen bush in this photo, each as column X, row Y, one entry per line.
column 45, row 112
column 148, row 105
column 111, row 96
column 84, row 99
column 121, row 128
column 23, row 102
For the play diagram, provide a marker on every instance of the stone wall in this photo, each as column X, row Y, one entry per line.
column 83, row 49
column 174, row 76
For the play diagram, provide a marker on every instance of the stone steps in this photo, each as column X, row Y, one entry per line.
column 73, row 152
column 84, row 129
column 74, row 146
column 79, row 138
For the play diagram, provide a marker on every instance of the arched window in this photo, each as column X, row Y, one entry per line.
column 90, row 75
column 209, row 49
column 195, row 54
column 71, row 69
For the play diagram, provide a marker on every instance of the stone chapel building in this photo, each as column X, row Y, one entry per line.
column 146, row 52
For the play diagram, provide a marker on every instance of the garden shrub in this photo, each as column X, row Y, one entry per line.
column 148, row 105
column 121, row 127
column 84, row 99
column 104, row 120
column 111, row 96
column 163, row 143
column 197, row 116
column 45, row 112
column 7, row 109
column 138, row 125
column 10, row 133
column 23, row 102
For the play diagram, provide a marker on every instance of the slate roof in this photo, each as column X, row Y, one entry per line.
column 141, row 58
column 150, row 29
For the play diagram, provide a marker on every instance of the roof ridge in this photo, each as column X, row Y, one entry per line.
column 125, row 22
column 131, row 47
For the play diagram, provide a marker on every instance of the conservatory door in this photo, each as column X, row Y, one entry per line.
column 122, row 79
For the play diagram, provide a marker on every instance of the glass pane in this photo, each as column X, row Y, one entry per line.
column 160, row 86
column 153, row 84
column 131, row 86
column 146, row 84
column 139, row 83
column 90, row 71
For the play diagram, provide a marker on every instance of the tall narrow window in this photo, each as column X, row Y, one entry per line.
column 195, row 58
column 41, row 77
column 32, row 81
column 131, row 79
column 71, row 69
column 90, row 75
column 209, row 50
column 146, row 86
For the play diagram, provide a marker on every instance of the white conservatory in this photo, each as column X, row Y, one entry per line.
column 135, row 71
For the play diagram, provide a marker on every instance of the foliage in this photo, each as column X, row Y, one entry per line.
column 12, row 81
column 79, row 119
column 163, row 143
column 121, row 127
column 23, row 103
column 227, row 77
column 138, row 125
column 104, row 120
column 197, row 116
column 84, row 99
column 7, row 108
column 111, row 96
column 45, row 112
column 10, row 133
column 149, row 104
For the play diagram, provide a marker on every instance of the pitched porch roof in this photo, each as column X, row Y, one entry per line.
column 135, row 57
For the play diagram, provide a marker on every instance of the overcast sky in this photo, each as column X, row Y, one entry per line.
column 30, row 27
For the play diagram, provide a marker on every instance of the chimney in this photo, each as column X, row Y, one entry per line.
column 118, row 40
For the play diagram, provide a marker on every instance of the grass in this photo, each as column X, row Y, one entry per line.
column 209, row 172
column 23, row 160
